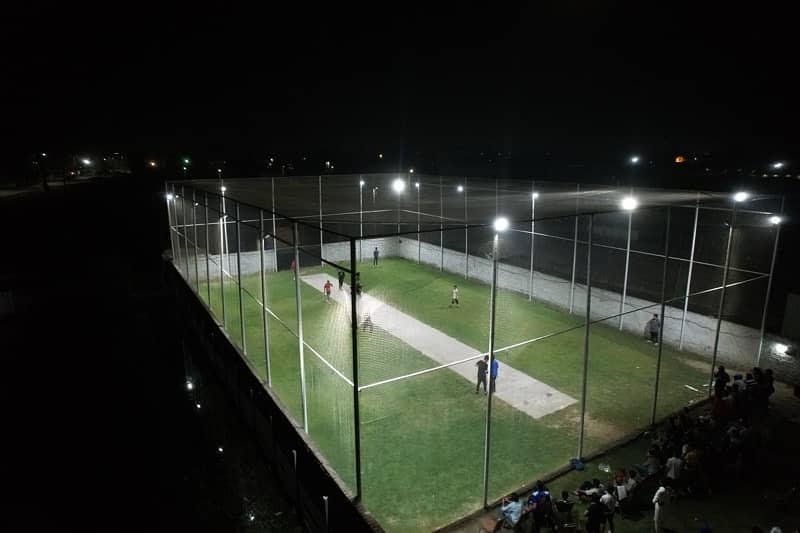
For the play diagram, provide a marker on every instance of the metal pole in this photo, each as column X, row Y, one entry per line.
column 264, row 320
column 574, row 250
column 722, row 299
column 533, row 215
column 689, row 277
column 239, row 279
column 586, row 337
column 354, row 334
column 299, row 302
column 194, row 231
column 466, row 231
column 185, row 235
column 221, row 262
column 208, row 266
column 441, row 224
column 419, row 243
column 663, row 309
column 360, row 218
column 769, row 288
column 627, row 266
column 321, row 255
column 274, row 229
column 167, row 195
column 488, row 433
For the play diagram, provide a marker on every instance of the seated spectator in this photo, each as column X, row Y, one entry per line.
column 652, row 462
column 511, row 509
column 674, row 470
column 631, row 482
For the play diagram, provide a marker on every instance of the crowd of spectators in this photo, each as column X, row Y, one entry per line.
column 689, row 456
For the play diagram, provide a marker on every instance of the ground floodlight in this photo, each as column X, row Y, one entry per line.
column 460, row 188
column 361, row 183
column 398, row 185
column 635, row 159
column 501, row 224
column 170, row 196
column 535, row 195
column 775, row 220
column 189, row 384
column 223, row 188
column 740, row 196
column 629, row 203
column 781, row 348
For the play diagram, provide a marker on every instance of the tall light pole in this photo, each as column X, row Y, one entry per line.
column 361, row 219
column 534, row 196
column 398, row 186
column 419, row 244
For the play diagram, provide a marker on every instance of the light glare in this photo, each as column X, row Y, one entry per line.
column 398, row 185
column 223, row 188
column 778, row 164
column 781, row 348
column 460, row 188
column 635, row 159
column 361, row 183
column 501, row 224
column 170, row 196
column 741, row 196
column 189, row 385
column 629, row 203
column 775, row 220
column 535, row 195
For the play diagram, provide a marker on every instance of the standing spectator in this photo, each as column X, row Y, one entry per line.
column 661, row 501
column 327, row 288
column 653, row 326
column 454, row 296
column 541, row 505
column 595, row 515
column 674, row 469
column 293, row 268
column 564, row 509
column 375, row 255
column 721, row 380
column 494, row 373
column 610, row 504
column 483, row 366
column 341, row 279
column 367, row 323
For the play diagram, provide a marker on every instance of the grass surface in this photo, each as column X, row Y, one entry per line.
column 423, row 438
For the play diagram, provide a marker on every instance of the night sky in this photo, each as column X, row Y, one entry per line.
column 570, row 80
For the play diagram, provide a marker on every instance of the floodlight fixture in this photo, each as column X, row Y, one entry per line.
column 501, row 224
column 86, row 161
column 170, row 196
column 534, row 195
column 460, row 188
column 778, row 164
column 380, row 156
column 151, row 164
column 223, row 188
column 189, row 384
column 634, row 159
column 398, row 185
column 198, row 405
column 220, row 449
column 361, row 183
column 411, row 171
column 416, row 184
column 629, row 203
column 741, row 196
column 781, row 348
column 775, row 219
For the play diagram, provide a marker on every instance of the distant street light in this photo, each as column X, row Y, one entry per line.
column 635, row 159
column 411, row 171
column 398, row 185
column 460, row 188
column 86, row 161
column 778, row 164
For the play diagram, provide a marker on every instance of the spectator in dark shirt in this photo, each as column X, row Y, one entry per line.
column 483, row 366
column 595, row 515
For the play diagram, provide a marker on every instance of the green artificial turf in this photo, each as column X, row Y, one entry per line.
column 422, row 439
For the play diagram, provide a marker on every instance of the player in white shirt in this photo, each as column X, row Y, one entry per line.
column 454, row 297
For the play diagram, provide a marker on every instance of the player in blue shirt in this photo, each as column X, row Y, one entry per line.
column 495, row 370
